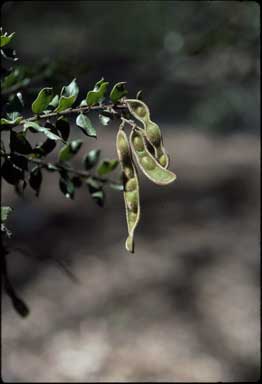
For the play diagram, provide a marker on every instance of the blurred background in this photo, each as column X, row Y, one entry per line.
column 185, row 306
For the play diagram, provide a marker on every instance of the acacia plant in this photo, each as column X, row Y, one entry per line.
column 23, row 163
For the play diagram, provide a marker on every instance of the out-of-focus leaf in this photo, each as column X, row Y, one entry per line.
column 9, row 54
column 91, row 158
column 20, row 162
column 117, row 187
column 5, row 212
column 18, row 143
column 6, row 39
column 35, row 179
column 69, row 150
column 11, row 122
column 36, row 127
column 119, row 90
column 85, row 124
column 68, row 96
column 139, row 95
column 76, row 180
column 66, row 186
column 106, row 166
column 45, row 148
column 11, row 173
column 96, row 191
column 15, row 104
column 104, row 119
column 43, row 99
column 97, row 94
column 63, row 127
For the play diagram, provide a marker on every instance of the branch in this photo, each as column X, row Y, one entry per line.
column 73, row 111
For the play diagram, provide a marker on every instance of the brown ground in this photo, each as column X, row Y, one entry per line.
column 184, row 307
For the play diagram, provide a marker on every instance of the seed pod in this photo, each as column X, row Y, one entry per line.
column 147, row 163
column 131, row 187
column 153, row 133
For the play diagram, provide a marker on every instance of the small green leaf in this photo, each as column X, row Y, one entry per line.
column 67, row 186
column 91, row 159
column 43, row 99
column 97, row 94
column 106, row 166
column 11, row 122
column 5, row 212
column 96, row 191
column 104, row 119
column 99, row 197
column 68, row 96
column 85, row 124
column 54, row 102
column 69, row 150
column 18, row 143
column 35, row 179
column 117, row 187
column 119, row 90
column 46, row 131
column 5, row 39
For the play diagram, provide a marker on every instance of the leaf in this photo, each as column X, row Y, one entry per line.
column 18, row 143
column 11, row 122
column 85, row 124
column 9, row 54
column 35, row 179
column 97, row 94
column 139, row 95
column 117, row 187
column 5, row 39
column 11, row 173
column 51, row 168
column 43, row 99
column 66, row 186
column 91, row 159
column 96, row 191
column 99, row 197
column 68, row 96
column 76, row 180
column 38, row 128
column 5, row 212
column 45, row 148
column 19, row 162
column 63, row 127
column 104, row 119
column 119, row 90
column 54, row 102
column 15, row 105
column 69, row 150
column 106, row 167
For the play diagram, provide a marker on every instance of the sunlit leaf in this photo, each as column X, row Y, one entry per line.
column 85, row 124
column 106, row 166
column 43, row 99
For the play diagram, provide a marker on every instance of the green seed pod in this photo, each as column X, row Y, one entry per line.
column 138, row 143
column 163, row 160
column 131, row 187
column 148, row 164
column 152, row 131
column 153, row 134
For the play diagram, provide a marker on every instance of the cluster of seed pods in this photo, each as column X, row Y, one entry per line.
column 145, row 145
